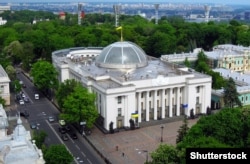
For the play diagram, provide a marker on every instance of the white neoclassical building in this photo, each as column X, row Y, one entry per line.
column 4, row 86
column 131, row 85
column 17, row 147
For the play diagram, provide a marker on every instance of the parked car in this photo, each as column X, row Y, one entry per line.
column 67, row 127
column 62, row 130
column 62, row 122
column 65, row 137
column 21, row 102
column 26, row 99
column 73, row 135
column 24, row 114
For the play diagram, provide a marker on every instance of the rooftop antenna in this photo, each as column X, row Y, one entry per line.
column 117, row 11
column 79, row 13
column 156, row 12
column 207, row 10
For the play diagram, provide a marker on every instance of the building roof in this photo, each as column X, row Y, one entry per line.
column 122, row 55
column 242, row 80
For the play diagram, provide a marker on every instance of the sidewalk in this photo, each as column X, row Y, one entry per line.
column 134, row 146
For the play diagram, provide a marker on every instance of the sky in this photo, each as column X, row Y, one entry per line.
column 239, row 2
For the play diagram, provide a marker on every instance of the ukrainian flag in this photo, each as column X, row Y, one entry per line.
column 119, row 28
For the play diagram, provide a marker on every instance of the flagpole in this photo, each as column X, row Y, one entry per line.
column 121, row 36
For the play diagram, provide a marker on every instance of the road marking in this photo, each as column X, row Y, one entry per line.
column 60, row 139
column 83, row 154
column 89, row 161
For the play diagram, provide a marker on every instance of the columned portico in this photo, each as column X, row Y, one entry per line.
column 147, row 105
column 170, row 102
column 155, row 105
column 178, row 101
column 163, row 103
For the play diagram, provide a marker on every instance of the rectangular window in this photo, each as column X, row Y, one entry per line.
column 149, row 104
column 158, row 93
column 198, row 89
column 150, row 93
column 166, row 91
column 119, row 99
column 119, row 112
column 142, row 95
column 197, row 100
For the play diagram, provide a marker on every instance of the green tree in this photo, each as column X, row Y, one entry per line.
column 2, row 101
column 58, row 154
column 231, row 96
column 80, row 106
column 14, row 50
column 183, row 130
column 187, row 62
column 39, row 138
column 10, row 70
column 44, row 75
column 165, row 154
column 218, row 126
column 65, row 89
column 218, row 81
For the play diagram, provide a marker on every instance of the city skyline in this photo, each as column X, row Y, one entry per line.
column 232, row 2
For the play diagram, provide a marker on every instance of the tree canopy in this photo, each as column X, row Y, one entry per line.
column 231, row 96
column 44, row 75
column 79, row 106
column 58, row 154
column 229, row 128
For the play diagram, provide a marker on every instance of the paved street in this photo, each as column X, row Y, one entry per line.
column 135, row 144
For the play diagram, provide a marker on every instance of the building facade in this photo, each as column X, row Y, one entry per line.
column 129, row 85
column 4, row 86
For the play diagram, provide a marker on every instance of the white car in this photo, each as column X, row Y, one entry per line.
column 62, row 122
column 21, row 102
column 51, row 119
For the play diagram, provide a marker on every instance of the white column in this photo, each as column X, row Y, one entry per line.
column 139, row 106
column 170, row 102
column 163, row 103
column 178, row 101
column 155, row 104
column 147, row 105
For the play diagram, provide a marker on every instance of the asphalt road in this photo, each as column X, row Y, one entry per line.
column 40, row 110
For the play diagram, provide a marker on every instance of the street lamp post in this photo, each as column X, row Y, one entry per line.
column 162, row 127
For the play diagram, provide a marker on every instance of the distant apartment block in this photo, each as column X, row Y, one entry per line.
column 230, row 61
column 4, row 8
column 226, row 56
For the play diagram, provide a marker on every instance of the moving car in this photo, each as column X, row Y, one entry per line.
column 33, row 126
column 51, row 119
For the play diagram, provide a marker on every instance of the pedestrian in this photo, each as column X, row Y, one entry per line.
column 123, row 154
column 116, row 148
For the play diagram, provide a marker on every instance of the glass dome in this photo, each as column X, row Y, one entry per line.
column 122, row 55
